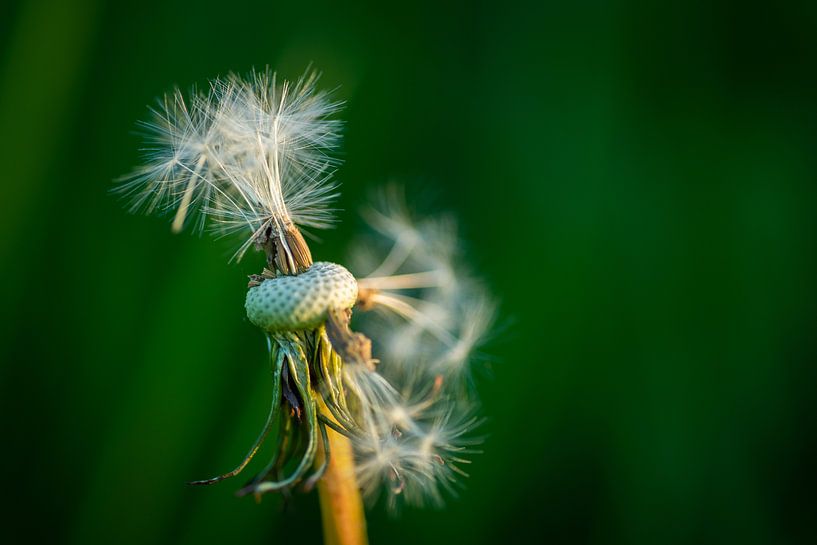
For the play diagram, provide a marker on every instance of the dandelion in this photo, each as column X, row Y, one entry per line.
column 381, row 404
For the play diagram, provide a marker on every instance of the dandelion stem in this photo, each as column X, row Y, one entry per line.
column 341, row 505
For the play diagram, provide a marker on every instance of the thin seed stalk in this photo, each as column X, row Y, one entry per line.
column 342, row 513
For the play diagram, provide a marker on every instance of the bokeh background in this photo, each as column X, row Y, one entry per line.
column 636, row 183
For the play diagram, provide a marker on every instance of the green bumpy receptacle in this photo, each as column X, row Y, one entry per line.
column 289, row 303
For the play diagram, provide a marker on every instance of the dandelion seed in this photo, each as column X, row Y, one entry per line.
column 256, row 156
column 429, row 306
column 250, row 155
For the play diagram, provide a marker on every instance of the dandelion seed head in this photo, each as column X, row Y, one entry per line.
column 290, row 303
column 256, row 155
column 249, row 154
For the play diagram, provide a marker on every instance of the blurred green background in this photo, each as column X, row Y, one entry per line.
column 637, row 184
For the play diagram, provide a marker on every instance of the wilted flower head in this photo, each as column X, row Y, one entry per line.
column 256, row 155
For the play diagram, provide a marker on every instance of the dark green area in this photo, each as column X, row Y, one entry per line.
column 636, row 184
